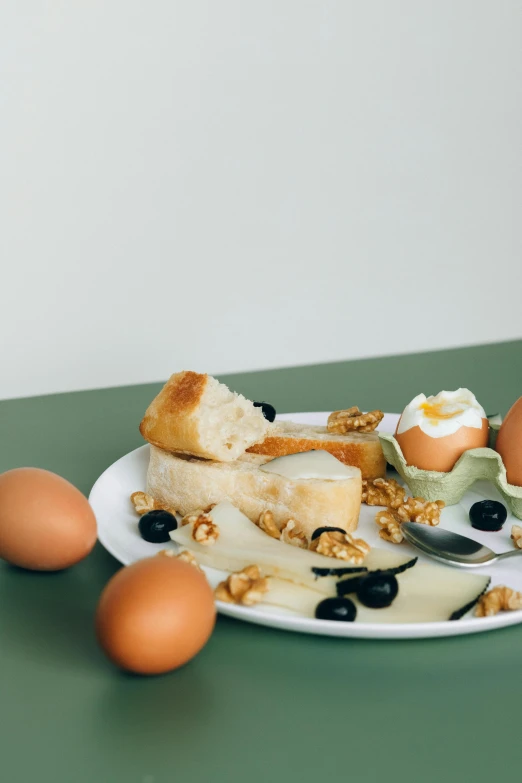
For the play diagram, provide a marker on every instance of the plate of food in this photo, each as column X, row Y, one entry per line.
column 296, row 519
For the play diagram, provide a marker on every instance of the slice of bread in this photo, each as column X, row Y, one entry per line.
column 361, row 449
column 186, row 484
column 196, row 414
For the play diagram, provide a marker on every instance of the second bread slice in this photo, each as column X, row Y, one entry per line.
column 186, row 484
column 361, row 449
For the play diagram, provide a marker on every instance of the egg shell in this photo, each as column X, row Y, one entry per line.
column 155, row 615
column 509, row 443
column 46, row 524
column 440, row 454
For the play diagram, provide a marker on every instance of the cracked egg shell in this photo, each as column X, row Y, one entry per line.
column 509, row 443
column 440, row 454
column 434, row 432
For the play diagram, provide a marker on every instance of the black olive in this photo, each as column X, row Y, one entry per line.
column 349, row 585
column 155, row 526
column 336, row 571
column 318, row 530
column 487, row 515
column 336, row 609
column 269, row 412
column 377, row 589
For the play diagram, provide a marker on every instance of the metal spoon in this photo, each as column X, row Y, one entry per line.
column 452, row 548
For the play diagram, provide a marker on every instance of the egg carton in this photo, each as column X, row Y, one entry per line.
column 475, row 464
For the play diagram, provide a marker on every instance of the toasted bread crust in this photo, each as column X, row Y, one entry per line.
column 184, row 394
column 168, row 420
column 366, row 455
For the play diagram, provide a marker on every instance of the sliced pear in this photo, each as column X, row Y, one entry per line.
column 289, row 595
column 241, row 543
column 299, row 579
column 427, row 594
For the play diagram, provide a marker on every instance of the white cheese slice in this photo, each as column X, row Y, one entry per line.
column 241, row 543
column 310, row 465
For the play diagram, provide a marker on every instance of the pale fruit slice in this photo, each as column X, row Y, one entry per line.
column 241, row 543
column 427, row 594
column 289, row 595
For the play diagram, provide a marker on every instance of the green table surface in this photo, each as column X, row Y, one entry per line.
column 256, row 704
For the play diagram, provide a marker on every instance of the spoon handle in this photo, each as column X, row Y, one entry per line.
column 512, row 553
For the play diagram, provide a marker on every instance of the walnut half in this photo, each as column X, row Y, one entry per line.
column 267, row 525
column 144, row 503
column 390, row 529
column 419, row 510
column 352, row 420
column 500, row 599
column 412, row 510
column 245, row 587
column 343, row 546
column 293, row 535
column 383, row 492
column 204, row 530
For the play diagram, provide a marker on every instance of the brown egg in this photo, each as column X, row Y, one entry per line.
column 155, row 615
column 509, row 443
column 427, row 453
column 46, row 524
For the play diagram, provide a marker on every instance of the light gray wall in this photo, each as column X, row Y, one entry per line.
column 235, row 184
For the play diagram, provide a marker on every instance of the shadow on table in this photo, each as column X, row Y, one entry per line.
column 49, row 616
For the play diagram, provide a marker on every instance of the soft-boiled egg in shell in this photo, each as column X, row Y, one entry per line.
column 433, row 432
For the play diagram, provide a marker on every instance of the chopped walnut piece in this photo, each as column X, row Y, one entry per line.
column 186, row 556
column 412, row 510
column 500, row 599
column 390, row 528
column 167, row 553
column 343, row 546
column 383, row 492
column 245, row 587
column 291, row 534
column 189, row 558
column 144, row 503
column 204, row 530
column 516, row 536
column 420, row 510
column 192, row 518
column 267, row 525
column 352, row 420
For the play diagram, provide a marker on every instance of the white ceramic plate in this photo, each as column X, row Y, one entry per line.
column 118, row 532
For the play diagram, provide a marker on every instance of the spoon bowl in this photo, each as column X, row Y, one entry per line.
column 452, row 548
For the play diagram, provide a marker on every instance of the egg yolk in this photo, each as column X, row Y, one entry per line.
column 440, row 411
